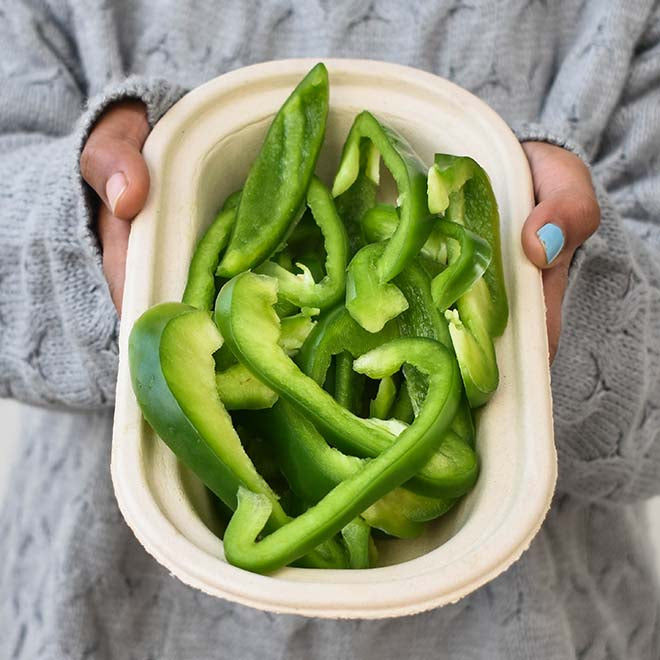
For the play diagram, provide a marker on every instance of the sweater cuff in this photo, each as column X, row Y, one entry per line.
column 527, row 131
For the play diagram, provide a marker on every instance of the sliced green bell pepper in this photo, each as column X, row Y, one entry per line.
column 171, row 350
column 473, row 345
column 200, row 288
column 336, row 332
column 467, row 263
column 250, row 327
column 370, row 300
column 312, row 468
column 302, row 290
column 239, row 389
column 275, row 189
column 398, row 463
column 478, row 211
column 354, row 202
column 422, row 319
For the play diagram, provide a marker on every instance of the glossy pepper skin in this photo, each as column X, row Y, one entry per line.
column 275, row 189
column 354, row 202
column 370, row 298
column 247, row 321
column 475, row 207
column 379, row 476
column 468, row 256
column 172, row 370
column 200, row 287
column 312, row 468
column 460, row 188
column 302, row 290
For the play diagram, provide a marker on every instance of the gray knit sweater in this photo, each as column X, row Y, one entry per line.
column 584, row 74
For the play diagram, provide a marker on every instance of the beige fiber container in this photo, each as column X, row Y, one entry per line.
column 200, row 152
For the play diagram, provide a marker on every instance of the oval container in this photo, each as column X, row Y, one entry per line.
column 199, row 153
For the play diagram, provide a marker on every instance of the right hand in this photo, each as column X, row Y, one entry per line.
column 111, row 163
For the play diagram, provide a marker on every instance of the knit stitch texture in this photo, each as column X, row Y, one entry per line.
column 583, row 74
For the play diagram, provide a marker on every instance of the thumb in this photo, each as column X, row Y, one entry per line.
column 567, row 211
column 111, row 161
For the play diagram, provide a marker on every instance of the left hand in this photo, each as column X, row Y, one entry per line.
column 565, row 215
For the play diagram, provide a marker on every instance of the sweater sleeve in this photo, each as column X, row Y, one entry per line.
column 58, row 328
column 606, row 376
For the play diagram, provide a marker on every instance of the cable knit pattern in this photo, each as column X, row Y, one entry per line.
column 582, row 74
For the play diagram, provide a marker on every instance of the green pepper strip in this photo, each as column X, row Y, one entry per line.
column 200, row 288
column 312, row 468
column 353, row 203
column 369, row 301
column 449, row 175
column 239, row 389
column 474, row 345
column 466, row 265
column 369, row 298
column 301, row 289
column 275, row 188
column 398, row 463
column 379, row 222
column 250, row 327
column 336, row 332
column 345, row 382
column 382, row 403
column 473, row 323
column 171, row 362
column 422, row 319
column 357, row 537
column 455, row 463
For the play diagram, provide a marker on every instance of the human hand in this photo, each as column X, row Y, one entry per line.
column 565, row 215
column 111, row 163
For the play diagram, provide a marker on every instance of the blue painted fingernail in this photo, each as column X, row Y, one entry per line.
column 552, row 238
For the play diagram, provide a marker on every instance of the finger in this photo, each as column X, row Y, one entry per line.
column 111, row 161
column 567, row 211
column 113, row 234
column 554, row 287
column 558, row 225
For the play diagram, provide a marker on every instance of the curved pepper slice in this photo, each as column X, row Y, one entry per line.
column 467, row 263
column 240, row 390
column 398, row 463
column 422, row 319
column 369, row 272
column 312, row 468
column 362, row 550
column 379, row 222
column 354, row 202
column 171, row 350
column 336, row 332
column 480, row 314
column 274, row 191
column 250, row 327
column 474, row 345
column 302, row 290
column 369, row 300
column 200, row 288
column 476, row 208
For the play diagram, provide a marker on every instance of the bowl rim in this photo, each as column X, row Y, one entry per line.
column 161, row 538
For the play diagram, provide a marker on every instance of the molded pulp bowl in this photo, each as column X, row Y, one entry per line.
column 198, row 153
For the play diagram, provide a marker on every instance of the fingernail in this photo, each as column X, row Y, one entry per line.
column 115, row 188
column 552, row 239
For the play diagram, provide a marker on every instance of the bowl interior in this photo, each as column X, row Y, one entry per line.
column 223, row 169
column 201, row 152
